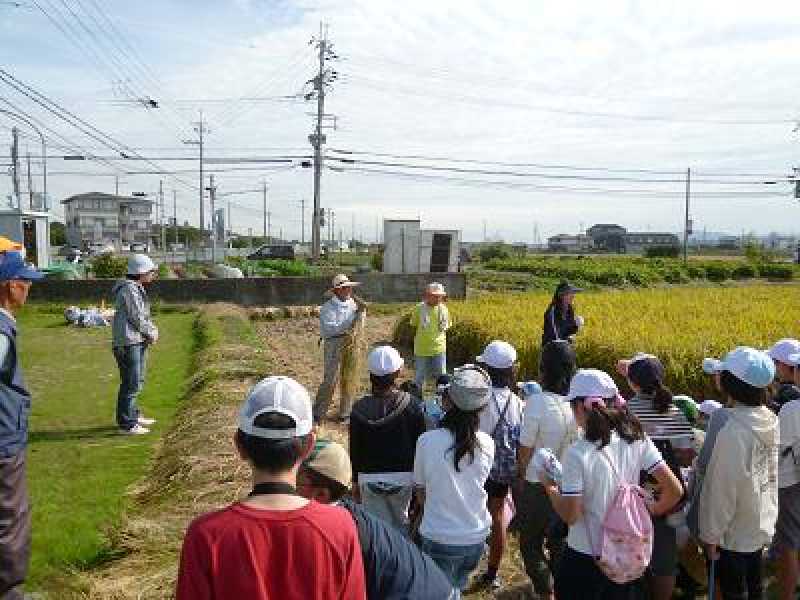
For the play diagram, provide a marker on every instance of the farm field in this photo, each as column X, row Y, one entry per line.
column 680, row 325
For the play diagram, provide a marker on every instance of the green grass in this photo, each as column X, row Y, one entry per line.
column 79, row 467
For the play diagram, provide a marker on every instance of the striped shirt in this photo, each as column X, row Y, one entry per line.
column 671, row 425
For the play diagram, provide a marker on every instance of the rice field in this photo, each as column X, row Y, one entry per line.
column 679, row 325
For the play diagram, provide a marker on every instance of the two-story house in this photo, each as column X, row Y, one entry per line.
column 96, row 217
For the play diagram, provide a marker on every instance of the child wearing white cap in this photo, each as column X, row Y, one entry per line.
column 431, row 320
column 242, row 550
column 784, row 389
column 502, row 420
column 613, row 447
column 384, row 427
column 786, row 542
column 738, row 503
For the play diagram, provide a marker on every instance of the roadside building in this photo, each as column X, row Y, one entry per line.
column 566, row 242
column 607, row 237
column 96, row 217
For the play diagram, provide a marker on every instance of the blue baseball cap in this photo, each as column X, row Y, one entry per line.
column 752, row 366
column 12, row 267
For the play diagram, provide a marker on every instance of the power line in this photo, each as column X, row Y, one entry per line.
column 543, row 165
column 512, row 173
column 384, row 86
column 555, row 188
column 80, row 124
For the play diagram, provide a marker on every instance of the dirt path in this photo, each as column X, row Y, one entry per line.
column 293, row 346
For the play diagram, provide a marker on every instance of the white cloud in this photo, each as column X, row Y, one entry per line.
column 481, row 80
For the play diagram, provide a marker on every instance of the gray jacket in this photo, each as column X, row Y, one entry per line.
column 132, row 322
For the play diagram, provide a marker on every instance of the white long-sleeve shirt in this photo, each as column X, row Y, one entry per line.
column 336, row 317
column 739, row 499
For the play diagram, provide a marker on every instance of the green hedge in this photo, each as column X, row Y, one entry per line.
column 639, row 271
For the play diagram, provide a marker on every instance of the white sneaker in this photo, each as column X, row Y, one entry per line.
column 135, row 430
column 146, row 421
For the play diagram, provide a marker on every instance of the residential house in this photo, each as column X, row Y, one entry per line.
column 96, row 217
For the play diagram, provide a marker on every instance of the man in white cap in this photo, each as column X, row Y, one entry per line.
column 338, row 318
column 431, row 320
column 275, row 543
column 133, row 331
column 384, row 427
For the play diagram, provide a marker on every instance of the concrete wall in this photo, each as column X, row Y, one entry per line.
column 256, row 291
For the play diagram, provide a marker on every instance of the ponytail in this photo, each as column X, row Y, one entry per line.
column 662, row 398
column 601, row 421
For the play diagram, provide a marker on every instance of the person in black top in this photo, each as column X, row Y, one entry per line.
column 384, row 427
column 394, row 568
column 560, row 322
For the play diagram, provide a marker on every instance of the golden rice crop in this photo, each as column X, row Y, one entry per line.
column 679, row 325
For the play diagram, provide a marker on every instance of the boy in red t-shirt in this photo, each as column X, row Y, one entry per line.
column 275, row 544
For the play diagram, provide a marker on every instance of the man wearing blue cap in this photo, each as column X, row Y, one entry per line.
column 15, row 403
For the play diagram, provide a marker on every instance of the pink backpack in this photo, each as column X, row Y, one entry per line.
column 626, row 536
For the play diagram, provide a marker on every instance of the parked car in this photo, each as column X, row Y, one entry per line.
column 139, row 247
column 265, row 252
column 100, row 248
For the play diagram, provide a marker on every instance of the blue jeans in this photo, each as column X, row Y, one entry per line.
column 429, row 366
column 131, row 363
column 456, row 562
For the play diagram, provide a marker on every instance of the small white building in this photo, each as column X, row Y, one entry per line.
column 410, row 249
column 565, row 242
column 32, row 229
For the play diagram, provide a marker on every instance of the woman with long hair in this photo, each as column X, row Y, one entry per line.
column 613, row 447
column 560, row 322
column 548, row 422
column 450, row 469
column 671, row 433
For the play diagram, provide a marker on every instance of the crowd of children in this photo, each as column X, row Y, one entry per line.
column 610, row 496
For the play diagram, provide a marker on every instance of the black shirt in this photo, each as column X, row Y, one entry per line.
column 395, row 568
column 384, row 432
column 558, row 324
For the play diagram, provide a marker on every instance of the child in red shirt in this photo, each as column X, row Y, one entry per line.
column 275, row 544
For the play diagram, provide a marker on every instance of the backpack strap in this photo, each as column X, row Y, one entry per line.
column 501, row 414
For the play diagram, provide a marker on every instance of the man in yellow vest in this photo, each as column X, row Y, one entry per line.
column 431, row 320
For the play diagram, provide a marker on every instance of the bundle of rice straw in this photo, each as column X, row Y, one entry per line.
column 352, row 357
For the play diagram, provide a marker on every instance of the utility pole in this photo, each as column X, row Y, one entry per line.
column 266, row 215
column 484, row 230
column 15, row 165
column 353, row 228
column 229, row 229
column 302, row 221
column 323, row 78
column 175, row 220
column 161, row 220
column 116, row 185
column 686, row 226
column 201, row 129
column 212, row 191
column 30, row 183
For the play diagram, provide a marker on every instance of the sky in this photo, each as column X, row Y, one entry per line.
column 508, row 120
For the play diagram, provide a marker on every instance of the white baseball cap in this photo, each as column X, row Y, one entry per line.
column 752, row 366
column 470, row 388
column 435, row 289
column 591, row 383
column 341, row 281
column 281, row 395
column 384, row 360
column 139, row 264
column 783, row 349
column 708, row 407
column 498, row 355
